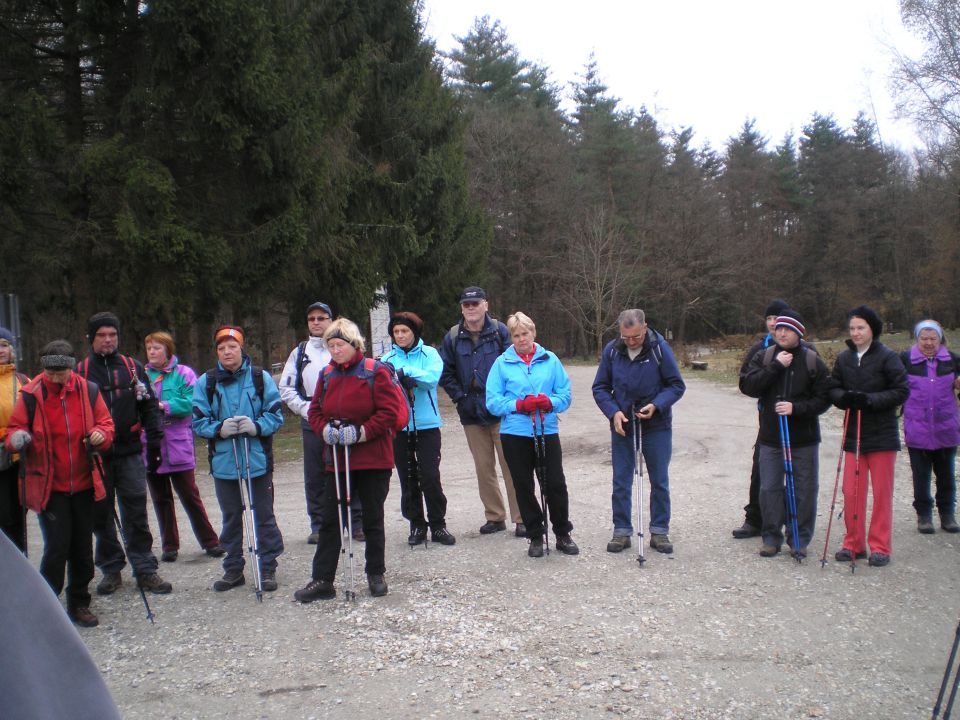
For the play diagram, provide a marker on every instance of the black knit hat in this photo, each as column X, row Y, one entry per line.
column 870, row 315
column 411, row 320
column 99, row 320
column 776, row 307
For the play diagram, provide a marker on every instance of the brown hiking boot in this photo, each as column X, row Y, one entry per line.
column 155, row 584
column 110, row 583
column 83, row 617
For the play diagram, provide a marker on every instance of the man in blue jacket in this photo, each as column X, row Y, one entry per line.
column 239, row 414
column 469, row 350
column 639, row 381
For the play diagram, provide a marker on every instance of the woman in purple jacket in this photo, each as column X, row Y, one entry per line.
column 173, row 384
column 931, row 424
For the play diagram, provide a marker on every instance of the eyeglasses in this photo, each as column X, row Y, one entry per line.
column 318, row 319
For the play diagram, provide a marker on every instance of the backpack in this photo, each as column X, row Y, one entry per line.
column 83, row 368
column 301, row 354
column 31, row 401
column 657, row 352
column 368, row 372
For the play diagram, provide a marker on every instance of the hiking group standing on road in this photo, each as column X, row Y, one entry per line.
column 81, row 438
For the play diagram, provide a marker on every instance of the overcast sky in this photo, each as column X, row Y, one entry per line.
column 711, row 64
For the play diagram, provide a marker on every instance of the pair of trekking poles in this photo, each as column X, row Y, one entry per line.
column 345, row 517
column 248, row 506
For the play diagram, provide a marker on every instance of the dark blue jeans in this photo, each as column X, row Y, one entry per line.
column 657, row 447
column 269, row 539
column 941, row 463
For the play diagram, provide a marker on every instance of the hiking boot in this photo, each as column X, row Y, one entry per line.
column 536, row 547
column 443, row 536
column 618, row 543
column 313, row 538
column 230, row 580
column 155, row 584
column 316, row 590
column 769, row 550
column 746, row 531
column 215, row 551
column 566, row 545
column 661, row 543
column 925, row 525
column 268, row 580
column 358, row 534
column 845, row 555
column 520, row 530
column 948, row 523
column 110, row 583
column 377, row 585
column 878, row 560
column 492, row 526
column 417, row 536
column 83, row 617
column 169, row 556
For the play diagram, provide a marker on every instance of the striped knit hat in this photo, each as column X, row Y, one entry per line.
column 791, row 319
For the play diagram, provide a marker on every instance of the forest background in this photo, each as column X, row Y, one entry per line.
column 190, row 162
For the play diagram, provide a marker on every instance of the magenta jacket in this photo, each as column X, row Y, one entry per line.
column 930, row 417
column 173, row 386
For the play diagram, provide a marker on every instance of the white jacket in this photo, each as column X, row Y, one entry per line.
column 316, row 357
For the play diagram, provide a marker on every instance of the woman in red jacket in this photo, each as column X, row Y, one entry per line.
column 58, row 423
column 355, row 409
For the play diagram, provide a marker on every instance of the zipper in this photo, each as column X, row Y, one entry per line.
column 66, row 419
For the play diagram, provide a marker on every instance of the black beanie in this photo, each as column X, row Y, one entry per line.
column 99, row 320
column 776, row 307
column 411, row 320
column 868, row 314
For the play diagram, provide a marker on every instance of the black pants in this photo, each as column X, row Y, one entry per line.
column 125, row 480
column 67, row 527
column 371, row 486
column 521, row 459
column 313, row 480
column 426, row 484
column 11, row 512
column 752, row 513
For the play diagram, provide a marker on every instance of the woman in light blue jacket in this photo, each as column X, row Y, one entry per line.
column 527, row 387
column 416, row 450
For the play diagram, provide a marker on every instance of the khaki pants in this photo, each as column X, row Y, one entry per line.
column 484, row 442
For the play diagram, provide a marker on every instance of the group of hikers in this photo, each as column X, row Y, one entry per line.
column 83, row 439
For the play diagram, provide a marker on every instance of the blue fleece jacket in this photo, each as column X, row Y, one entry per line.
column 511, row 379
column 423, row 364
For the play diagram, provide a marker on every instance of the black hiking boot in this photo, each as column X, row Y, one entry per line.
column 377, row 585
column 845, row 555
column 948, row 523
column 925, row 525
column 661, row 543
column 230, row 580
column 169, row 556
column 746, row 531
column 769, row 550
column 216, row 551
column 566, row 545
column 520, row 531
column 417, row 536
column 536, row 547
column 878, row 560
column 268, row 580
column 443, row 536
column 316, row 590
column 492, row 526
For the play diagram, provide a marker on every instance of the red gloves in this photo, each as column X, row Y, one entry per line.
column 527, row 405
column 531, row 403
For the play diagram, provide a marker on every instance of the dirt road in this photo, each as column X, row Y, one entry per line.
column 480, row 629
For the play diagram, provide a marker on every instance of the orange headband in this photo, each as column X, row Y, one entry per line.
column 228, row 332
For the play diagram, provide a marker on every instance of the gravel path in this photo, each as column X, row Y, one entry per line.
column 480, row 629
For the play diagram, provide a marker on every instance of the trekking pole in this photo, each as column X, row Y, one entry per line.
column 540, row 450
column 638, row 480
column 856, row 496
column 791, row 488
column 249, row 517
column 414, row 491
column 352, row 592
column 97, row 460
column 946, row 677
column 340, row 515
column 836, row 482
column 22, row 474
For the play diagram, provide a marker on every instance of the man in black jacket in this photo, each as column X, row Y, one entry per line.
column 791, row 381
column 133, row 406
